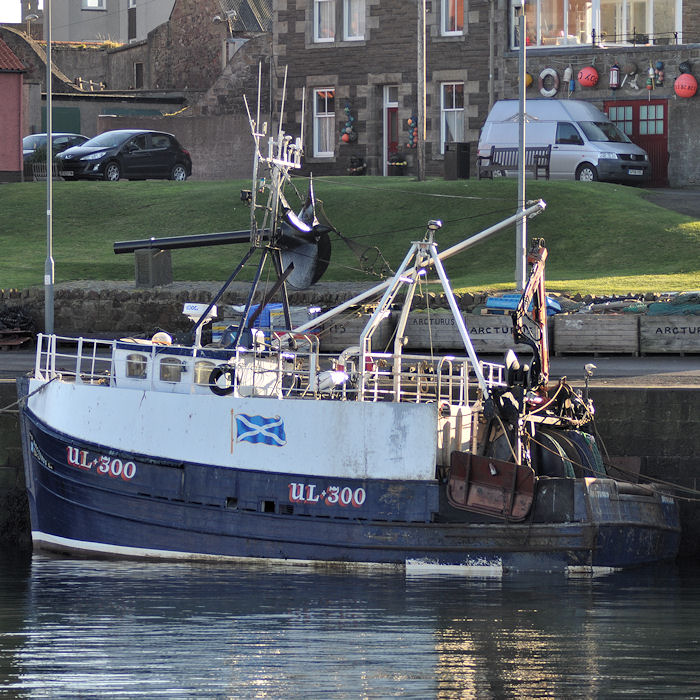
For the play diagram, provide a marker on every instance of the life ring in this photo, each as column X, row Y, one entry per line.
column 548, row 73
column 216, row 374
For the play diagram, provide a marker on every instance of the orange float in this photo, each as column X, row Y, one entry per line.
column 686, row 85
column 588, row 77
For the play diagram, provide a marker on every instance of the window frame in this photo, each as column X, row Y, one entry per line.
column 445, row 16
column 100, row 5
column 319, row 120
column 318, row 38
column 593, row 22
column 451, row 110
column 347, row 19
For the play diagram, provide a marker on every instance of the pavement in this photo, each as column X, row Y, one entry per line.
column 685, row 200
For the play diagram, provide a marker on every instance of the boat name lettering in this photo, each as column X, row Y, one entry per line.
column 330, row 496
column 690, row 330
column 113, row 467
column 39, row 455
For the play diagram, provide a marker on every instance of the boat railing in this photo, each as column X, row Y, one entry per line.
column 85, row 361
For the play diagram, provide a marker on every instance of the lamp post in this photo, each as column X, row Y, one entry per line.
column 29, row 19
column 48, row 265
column 421, row 87
column 521, row 225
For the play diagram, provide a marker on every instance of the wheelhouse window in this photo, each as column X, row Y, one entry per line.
column 613, row 22
column 202, row 371
column 324, row 122
column 452, row 113
column 324, row 20
column 136, row 366
column 171, row 369
column 353, row 20
column 452, row 17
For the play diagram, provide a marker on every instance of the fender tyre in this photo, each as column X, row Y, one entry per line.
column 216, row 374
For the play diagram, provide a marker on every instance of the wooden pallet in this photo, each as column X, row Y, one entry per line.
column 614, row 334
column 492, row 333
column 679, row 335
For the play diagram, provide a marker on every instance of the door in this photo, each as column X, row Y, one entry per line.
column 646, row 124
column 135, row 157
column 391, row 124
column 568, row 152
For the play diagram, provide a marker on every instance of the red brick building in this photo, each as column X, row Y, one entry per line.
column 11, row 109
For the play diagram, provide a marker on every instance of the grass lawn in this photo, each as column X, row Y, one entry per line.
column 602, row 238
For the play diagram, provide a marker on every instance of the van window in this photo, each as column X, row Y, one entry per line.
column 566, row 133
column 603, row 131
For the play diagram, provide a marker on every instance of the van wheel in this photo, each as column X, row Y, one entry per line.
column 586, row 173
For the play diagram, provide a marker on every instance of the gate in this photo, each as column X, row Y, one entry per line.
column 646, row 124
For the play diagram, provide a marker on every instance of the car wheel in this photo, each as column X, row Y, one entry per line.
column 178, row 172
column 112, row 172
column 586, row 173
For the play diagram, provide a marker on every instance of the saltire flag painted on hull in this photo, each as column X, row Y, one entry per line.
column 259, row 429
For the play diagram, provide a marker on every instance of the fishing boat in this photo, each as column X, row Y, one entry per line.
column 261, row 446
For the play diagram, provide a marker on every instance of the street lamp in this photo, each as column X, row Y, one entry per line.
column 49, row 264
column 30, row 18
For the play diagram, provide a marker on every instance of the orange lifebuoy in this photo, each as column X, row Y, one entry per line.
column 551, row 91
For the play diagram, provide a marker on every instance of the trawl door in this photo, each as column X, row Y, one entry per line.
column 646, row 124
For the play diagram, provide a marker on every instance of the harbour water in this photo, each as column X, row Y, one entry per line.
column 105, row 629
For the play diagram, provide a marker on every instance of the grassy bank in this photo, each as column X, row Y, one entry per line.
column 602, row 238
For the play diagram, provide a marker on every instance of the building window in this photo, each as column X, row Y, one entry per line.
column 354, row 20
column 94, row 4
column 324, row 20
column 324, row 122
column 614, row 22
column 621, row 117
column 138, row 76
column 651, row 120
column 452, row 113
column 452, row 16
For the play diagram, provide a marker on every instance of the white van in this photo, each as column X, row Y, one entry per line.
column 586, row 145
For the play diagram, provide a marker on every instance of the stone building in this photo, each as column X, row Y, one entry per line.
column 359, row 63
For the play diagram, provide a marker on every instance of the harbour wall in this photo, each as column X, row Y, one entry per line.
column 653, row 429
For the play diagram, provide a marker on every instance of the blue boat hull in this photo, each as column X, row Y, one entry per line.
column 97, row 501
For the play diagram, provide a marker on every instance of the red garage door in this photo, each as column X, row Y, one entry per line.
column 646, row 123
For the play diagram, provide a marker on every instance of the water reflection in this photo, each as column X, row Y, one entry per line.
column 77, row 629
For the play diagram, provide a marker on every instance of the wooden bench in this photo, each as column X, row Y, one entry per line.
column 502, row 159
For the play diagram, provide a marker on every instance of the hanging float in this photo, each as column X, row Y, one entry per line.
column 588, row 77
column 548, row 82
column 686, row 85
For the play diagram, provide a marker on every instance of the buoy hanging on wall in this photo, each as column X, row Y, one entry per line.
column 686, row 85
column 588, row 77
column 548, row 82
